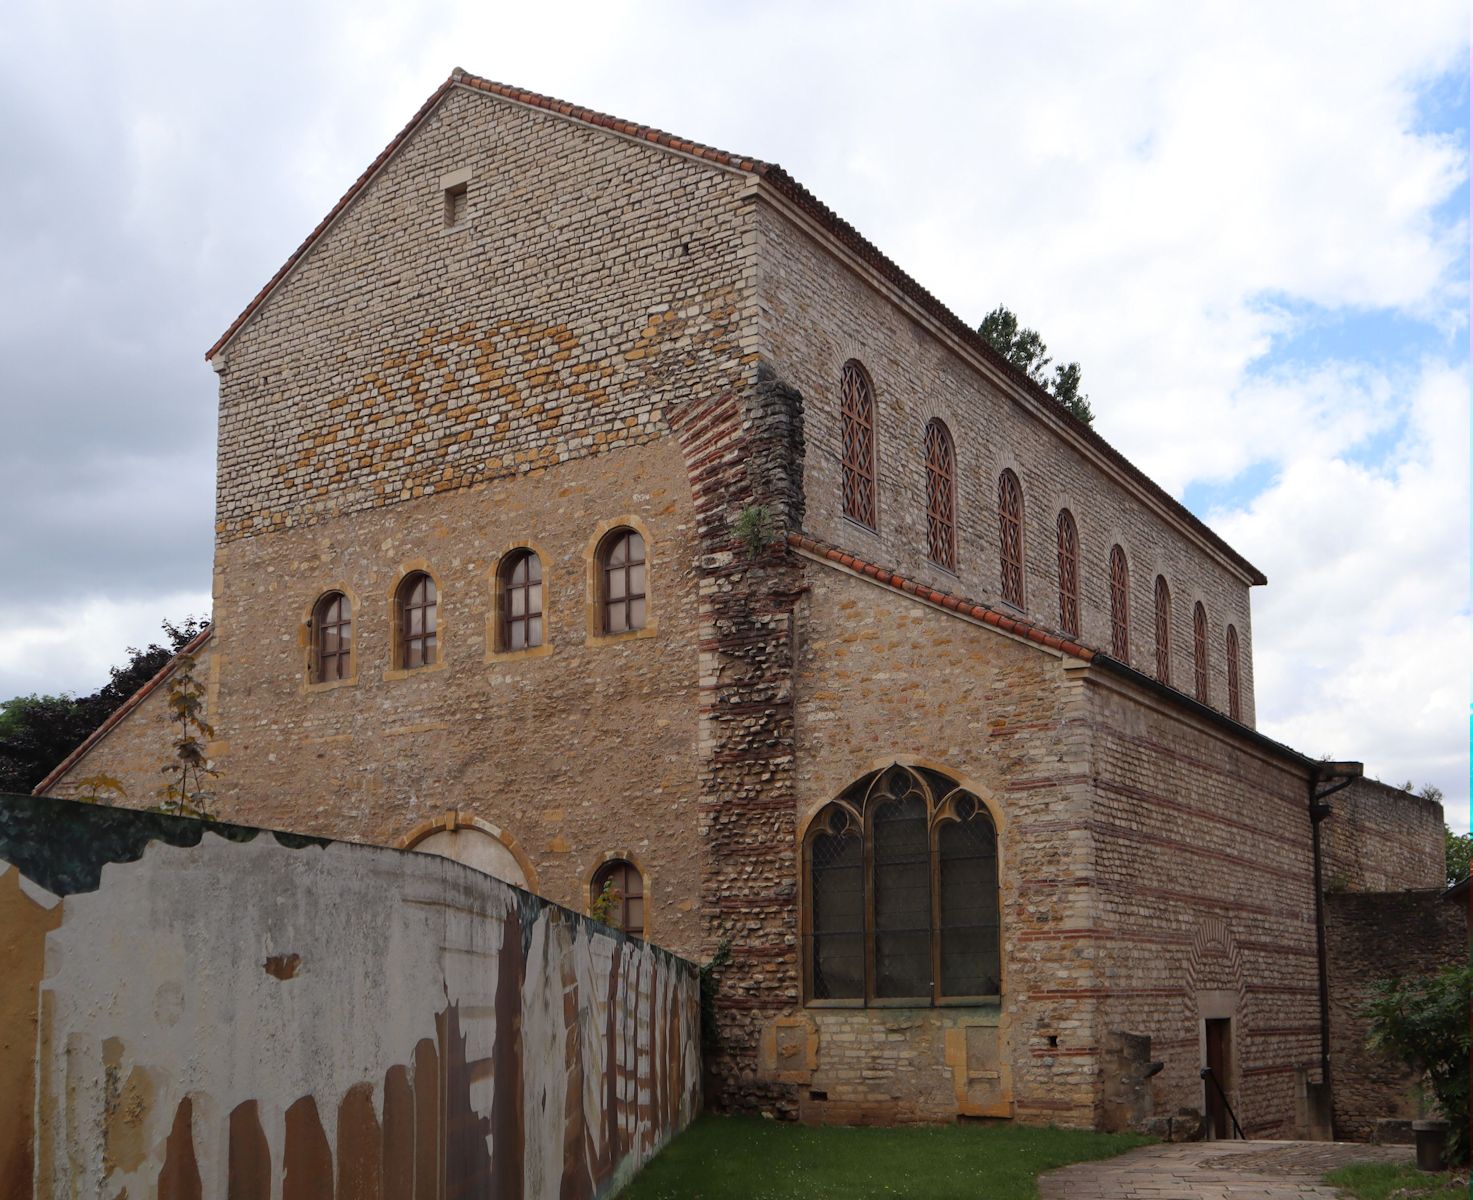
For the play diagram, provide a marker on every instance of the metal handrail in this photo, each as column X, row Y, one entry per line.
column 1238, row 1129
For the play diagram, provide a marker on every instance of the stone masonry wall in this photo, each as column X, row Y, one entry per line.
column 1202, row 897
column 1372, row 937
column 593, row 282
column 1382, row 839
column 816, row 313
column 209, row 1010
column 884, row 678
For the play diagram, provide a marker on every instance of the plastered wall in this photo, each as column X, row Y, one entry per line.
column 219, row 1011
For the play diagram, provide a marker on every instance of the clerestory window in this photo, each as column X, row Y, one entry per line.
column 940, row 495
column 857, row 407
column 902, row 893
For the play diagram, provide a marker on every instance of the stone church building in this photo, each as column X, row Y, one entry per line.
column 595, row 507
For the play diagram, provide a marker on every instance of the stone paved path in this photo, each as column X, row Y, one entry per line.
column 1215, row 1171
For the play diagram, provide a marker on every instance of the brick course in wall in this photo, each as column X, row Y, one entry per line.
column 1381, row 839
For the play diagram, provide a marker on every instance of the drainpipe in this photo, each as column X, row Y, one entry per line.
column 1338, row 775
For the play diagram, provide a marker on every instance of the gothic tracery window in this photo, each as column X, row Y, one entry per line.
column 1119, row 605
column 1010, row 529
column 1068, row 573
column 857, row 404
column 1235, row 695
column 940, row 495
column 902, row 892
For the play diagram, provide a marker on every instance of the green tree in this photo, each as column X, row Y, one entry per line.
column 37, row 732
column 1026, row 350
column 1459, row 847
column 1423, row 1021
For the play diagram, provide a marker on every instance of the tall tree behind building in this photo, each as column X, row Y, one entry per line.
column 1026, row 350
column 37, row 732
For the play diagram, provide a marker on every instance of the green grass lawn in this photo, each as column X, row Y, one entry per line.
column 1385, row 1181
column 748, row 1158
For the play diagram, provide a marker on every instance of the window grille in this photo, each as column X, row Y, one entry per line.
column 1235, row 695
column 902, row 893
column 521, row 601
column 332, row 638
column 940, row 496
column 858, row 407
column 1119, row 605
column 1163, row 630
column 629, row 883
column 1199, row 651
column 1010, row 522
column 622, row 571
column 417, row 621
column 1068, row 573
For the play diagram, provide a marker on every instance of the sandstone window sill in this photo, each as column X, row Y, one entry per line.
column 328, row 685
column 496, row 656
column 394, row 673
column 631, row 635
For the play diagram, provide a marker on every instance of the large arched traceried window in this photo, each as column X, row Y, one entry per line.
column 1163, row 630
column 1010, row 529
column 857, row 402
column 415, row 612
column 332, row 638
column 901, row 884
column 1235, row 694
column 940, row 495
column 1119, row 605
column 1068, row 573
column 1199, row 652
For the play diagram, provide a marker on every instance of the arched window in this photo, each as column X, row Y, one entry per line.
column 1199, row 651
column 1010, row 526
column 1163, row 630
column 520, row 580
column 857, row 403
column 940, row 496
column 623, row 879
column 415, row 619
column 621, row 576
column 902, row 892
column 1119, row 605
column 332, row 638
column 1068, row 573
column 1235, row 695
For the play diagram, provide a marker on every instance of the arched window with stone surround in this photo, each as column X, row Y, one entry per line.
column 1163, row 630
column 1010, row 533
column 857, row 409
column 519, row 579
column 940, row 495
column 1235, row 694
column 626, row 885
column 901, row 893
column 1199, row 652
column 332, row 638
column 415, row 615
column 623, row 594
column 1068, row 573
column 1119, row 604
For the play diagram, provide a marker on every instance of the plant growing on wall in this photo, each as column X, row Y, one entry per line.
column 605, row 906
column 186, row 792
column 754, row 526
column 709, row 987
column 1423, row 1021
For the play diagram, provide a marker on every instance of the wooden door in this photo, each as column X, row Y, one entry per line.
column 1218, row 1058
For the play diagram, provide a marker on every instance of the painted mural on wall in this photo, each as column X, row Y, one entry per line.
column 214, row 1011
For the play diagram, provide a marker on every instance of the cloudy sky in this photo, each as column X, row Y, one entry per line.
column 1248, row 221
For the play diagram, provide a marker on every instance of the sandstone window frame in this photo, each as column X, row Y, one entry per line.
column 458, row 818
column 1163, row 630
column 858, row 446
column 849, row 817
column 596, row 634
column 940, row 455
column 1068, row 532
column 498, row 618
column 1012, row 558
column 1200, row 664
column 454, row 190
column 614, row 862
column 408, row 573
column 312, row 646
column 1119, row 603
column 1234, row 674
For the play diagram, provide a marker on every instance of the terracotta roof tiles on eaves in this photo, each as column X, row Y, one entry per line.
column 798, row 195
column 967, row 608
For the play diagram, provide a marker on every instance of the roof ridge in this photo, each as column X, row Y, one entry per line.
column 122, row 710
